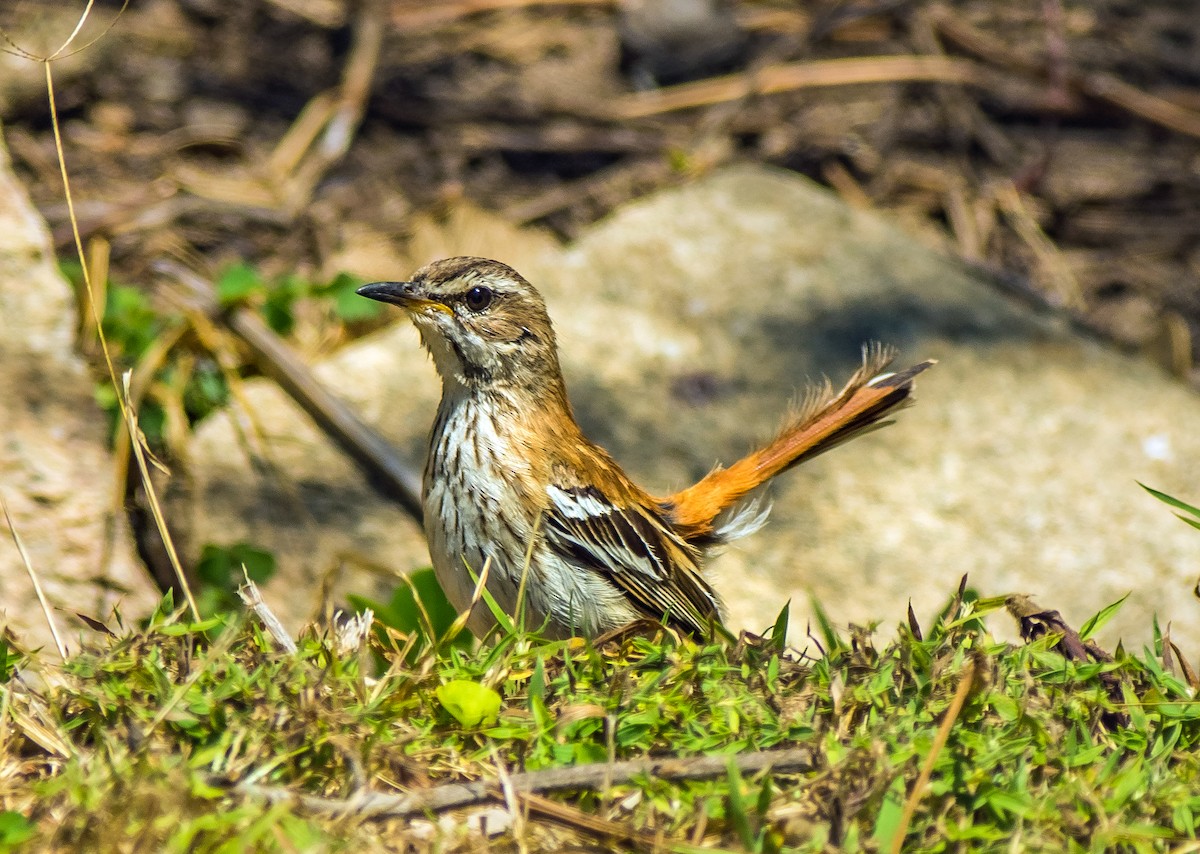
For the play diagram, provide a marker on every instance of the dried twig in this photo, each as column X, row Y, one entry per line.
column 577, row 818
column 557, row 136
column 511, row 800
column 803, row 75
column 421, row 13
column 36, row 722
column 129, row 416
column 601, row 188
column 318, row 138
column 1112, row 90
column 379, row 805
column 340, row 113
column 330, row 14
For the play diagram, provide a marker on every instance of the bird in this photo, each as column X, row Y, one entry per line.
column 513, row 487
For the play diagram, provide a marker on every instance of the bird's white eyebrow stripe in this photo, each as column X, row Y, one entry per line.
column 577, row 505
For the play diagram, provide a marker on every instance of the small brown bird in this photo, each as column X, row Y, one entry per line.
column 512, row 480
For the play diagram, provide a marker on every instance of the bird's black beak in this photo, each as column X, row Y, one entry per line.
column 403, row 294
column 397, row 293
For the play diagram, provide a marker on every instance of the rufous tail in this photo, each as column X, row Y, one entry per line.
column 821, row 422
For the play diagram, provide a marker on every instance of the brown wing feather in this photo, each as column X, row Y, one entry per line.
column 634, row 549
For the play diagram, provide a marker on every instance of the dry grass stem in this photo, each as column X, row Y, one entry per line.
column 803, row 75
column 137, row 440
column 33, row 577
column 1056, row 271
column 965, row 679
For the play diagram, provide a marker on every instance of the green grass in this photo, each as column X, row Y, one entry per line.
column 173, row 737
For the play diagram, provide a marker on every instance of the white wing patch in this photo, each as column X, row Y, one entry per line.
column 577, row 505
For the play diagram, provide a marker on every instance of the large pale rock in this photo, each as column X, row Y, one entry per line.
column 55, row 471
column 688, row 320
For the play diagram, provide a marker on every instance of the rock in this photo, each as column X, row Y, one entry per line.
column 667, row 41
column 55, row 470
column 686, row 322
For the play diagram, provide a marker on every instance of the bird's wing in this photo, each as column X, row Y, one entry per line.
column 633, row 549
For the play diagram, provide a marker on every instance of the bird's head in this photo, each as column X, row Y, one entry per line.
column 484, row 324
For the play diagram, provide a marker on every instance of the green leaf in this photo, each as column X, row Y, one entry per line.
column 890, row 813
column 259, row 564
column 215, row 566
column 735, row 808
column 1098, row 621
column 537, row 681
column 219, row 571
column 780, row 628
column 164, row 609
column 502, row 619
column 222, row 565
column 382, row 610
column 441, row 613
column 206, row 390
column 347, row 304
column 14, row 830
column 237, row 283
column 279, row 316
column 179, row 629
column 829, row 634
column 8, row 661
column 403, row 611
column 71, row 270
column 987, row 605
column 763, row 806
column 1171, row 501
column 470, row 703
column 1007, row 802
column 129, row 321
column 589, row 751
column 105, row 395
column 279, row 306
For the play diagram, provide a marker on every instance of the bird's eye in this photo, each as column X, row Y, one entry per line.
column 478, row 298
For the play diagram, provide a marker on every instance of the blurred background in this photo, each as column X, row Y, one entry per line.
column 300, row 136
